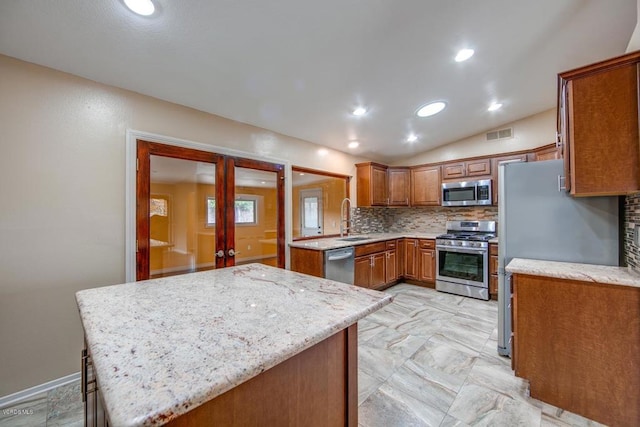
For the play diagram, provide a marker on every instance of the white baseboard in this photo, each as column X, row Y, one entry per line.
column 19, row 396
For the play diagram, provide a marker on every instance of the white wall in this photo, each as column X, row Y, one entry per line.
column 530, row 132
column 62, row 195
column 634, row 42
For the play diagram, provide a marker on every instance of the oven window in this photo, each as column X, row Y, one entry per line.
column 461, row 266
column 459, row 194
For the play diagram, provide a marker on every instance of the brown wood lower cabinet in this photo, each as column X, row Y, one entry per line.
column 493, row 271
column 307, row 261
column 370, row 271
column 380, row 264
column 411, row 258
column 578, row 344
column 427, row 260
column 420, row 261
column 391, row 264
column 317, row 387
column 370, row 265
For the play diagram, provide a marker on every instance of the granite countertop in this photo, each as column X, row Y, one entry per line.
column 575, row 271
column 162, row 347
column 326, row 243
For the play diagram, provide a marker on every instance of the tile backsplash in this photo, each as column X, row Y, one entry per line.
column 397, row 220
column 631, row 220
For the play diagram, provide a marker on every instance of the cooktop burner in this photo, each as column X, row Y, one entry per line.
column 467, row 236
column 479, row 231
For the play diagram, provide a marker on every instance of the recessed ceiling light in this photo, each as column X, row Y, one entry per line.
column 301, row 174
column 141, row 7
column 354, row 144
column 323, row 151
column 431, row 109
column 412, row 138
column 360, row 111
column 495, row 106
column 464, row 54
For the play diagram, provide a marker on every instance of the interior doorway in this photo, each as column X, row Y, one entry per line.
column 197, row 210
column 311, row 218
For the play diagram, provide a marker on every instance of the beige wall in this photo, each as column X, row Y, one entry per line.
column 530, row 132
column 62, row 186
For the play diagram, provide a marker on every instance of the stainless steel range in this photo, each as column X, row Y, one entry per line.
column 463, row 258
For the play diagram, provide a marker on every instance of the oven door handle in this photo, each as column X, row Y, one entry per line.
column 461, row 250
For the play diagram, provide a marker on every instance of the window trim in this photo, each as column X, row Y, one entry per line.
column 256, row 213
column 239, row 197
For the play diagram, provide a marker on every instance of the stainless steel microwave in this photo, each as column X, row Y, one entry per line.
column 466, row 193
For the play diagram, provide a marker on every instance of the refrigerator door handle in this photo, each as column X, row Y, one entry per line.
column 561, row 183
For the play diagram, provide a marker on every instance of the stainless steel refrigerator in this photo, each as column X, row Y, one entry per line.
column 537, row 220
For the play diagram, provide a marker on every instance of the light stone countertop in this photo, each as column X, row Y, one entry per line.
column 162, row 347
column 326, row 243
column 575, row 271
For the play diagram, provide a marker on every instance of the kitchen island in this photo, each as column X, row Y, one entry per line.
column 232, row 346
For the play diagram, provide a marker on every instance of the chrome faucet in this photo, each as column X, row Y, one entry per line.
column 343, row 220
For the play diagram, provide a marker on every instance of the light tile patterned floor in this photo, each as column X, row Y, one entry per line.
column 430, row 359
column 427, row 359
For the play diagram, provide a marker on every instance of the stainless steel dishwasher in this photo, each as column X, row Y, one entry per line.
column 338, row 264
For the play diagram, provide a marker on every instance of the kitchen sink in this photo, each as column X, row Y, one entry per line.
column 354, row 239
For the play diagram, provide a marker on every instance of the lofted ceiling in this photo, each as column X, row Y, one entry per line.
column 300, row 67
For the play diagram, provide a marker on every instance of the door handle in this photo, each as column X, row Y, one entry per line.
column 231, row 252
column 220, row 254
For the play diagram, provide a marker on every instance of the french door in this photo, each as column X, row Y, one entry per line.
column 198, row 210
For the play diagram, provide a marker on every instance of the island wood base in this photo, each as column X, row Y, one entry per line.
column 578, row 343
column 317, row 387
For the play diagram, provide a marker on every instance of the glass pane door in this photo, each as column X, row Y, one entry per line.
column 256, row 216
column 198, row 210
column 311, row 212
column 182, row 216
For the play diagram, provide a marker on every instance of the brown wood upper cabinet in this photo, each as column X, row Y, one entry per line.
column 372, row 184
column 598, row 127
column 398, row 178
column 425, row 186
column 458, row 170
column 380, row 185
column 547, row 152
column 497, row 161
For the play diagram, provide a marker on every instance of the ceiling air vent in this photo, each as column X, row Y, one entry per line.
column 500, row 134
